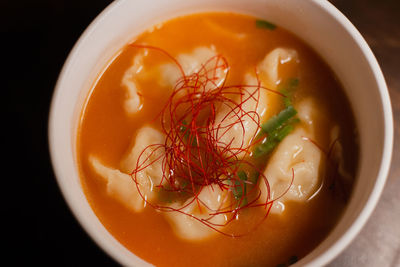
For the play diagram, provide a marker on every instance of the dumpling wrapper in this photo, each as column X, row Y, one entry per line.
column 239, row 127
column 337, row 155
column 121, row 185
column 225, row 32
column 200, row 57
column 133, row 102
column 148, row 145
column 201, row 60
column 212, row 199
column 272, row 62
column 293, row 171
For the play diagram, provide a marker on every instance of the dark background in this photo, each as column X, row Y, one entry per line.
column 36, row 37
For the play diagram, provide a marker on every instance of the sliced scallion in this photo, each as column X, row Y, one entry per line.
column 278, row 120
column 283, row 132
column 239, row 187
column 263, row 24
column 276, row 128
column 264, row 148
column 287, row 89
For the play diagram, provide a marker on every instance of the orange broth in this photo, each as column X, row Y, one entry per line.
column 106, row 131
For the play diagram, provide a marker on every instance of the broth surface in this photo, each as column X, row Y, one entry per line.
column 106, row 131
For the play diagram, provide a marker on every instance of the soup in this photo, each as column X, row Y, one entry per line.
column 217, row 139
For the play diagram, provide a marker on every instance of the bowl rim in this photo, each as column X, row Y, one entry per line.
column 351, row 232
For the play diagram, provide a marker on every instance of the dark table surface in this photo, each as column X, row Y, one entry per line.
column 37, row 37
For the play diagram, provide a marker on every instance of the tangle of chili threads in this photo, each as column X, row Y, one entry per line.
column 193, row 154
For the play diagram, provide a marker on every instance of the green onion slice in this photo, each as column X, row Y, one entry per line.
column 263, row 24
column 278, row 120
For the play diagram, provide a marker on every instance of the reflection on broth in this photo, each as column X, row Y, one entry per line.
column 221, row 135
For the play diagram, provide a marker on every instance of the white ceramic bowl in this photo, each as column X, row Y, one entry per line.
column 317, row 22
